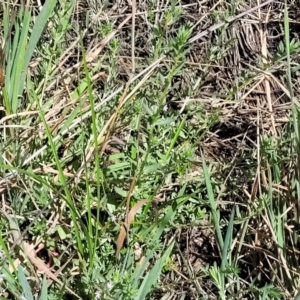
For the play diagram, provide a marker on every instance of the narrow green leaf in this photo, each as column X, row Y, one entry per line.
column 24, row 283
column 120, row 191
column 215, row 215
column 153, row 275
column 19, row 50
column 152, row 168
column 119, row 166
column 37, row 30
column 228, row 239
column 44, row 294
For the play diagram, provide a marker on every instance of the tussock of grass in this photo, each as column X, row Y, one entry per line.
column 149, row 150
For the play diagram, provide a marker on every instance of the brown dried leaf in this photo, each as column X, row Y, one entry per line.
column 125, row 227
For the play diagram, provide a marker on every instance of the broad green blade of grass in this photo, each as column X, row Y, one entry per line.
column 22, row 51
column 152, row 276
column 297, row 297
column 44, row 294
column 24, row 283
column 140, row 269
column 19, row 46
column 36, row 33
column 228, row 240
column 166, row 296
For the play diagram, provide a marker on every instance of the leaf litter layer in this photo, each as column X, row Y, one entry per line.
column 150, row 152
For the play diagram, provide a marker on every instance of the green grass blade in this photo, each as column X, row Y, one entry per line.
column 24, row 283
column 297, row 297
column 97, row 164
column 295, row 111
column 19, row 50
column 153, row 275
column 36, row 33
column 212, row 203
column 74, row 213
column 174, row 139
column 44, row 294
column 227, row 242
column 6, row 252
